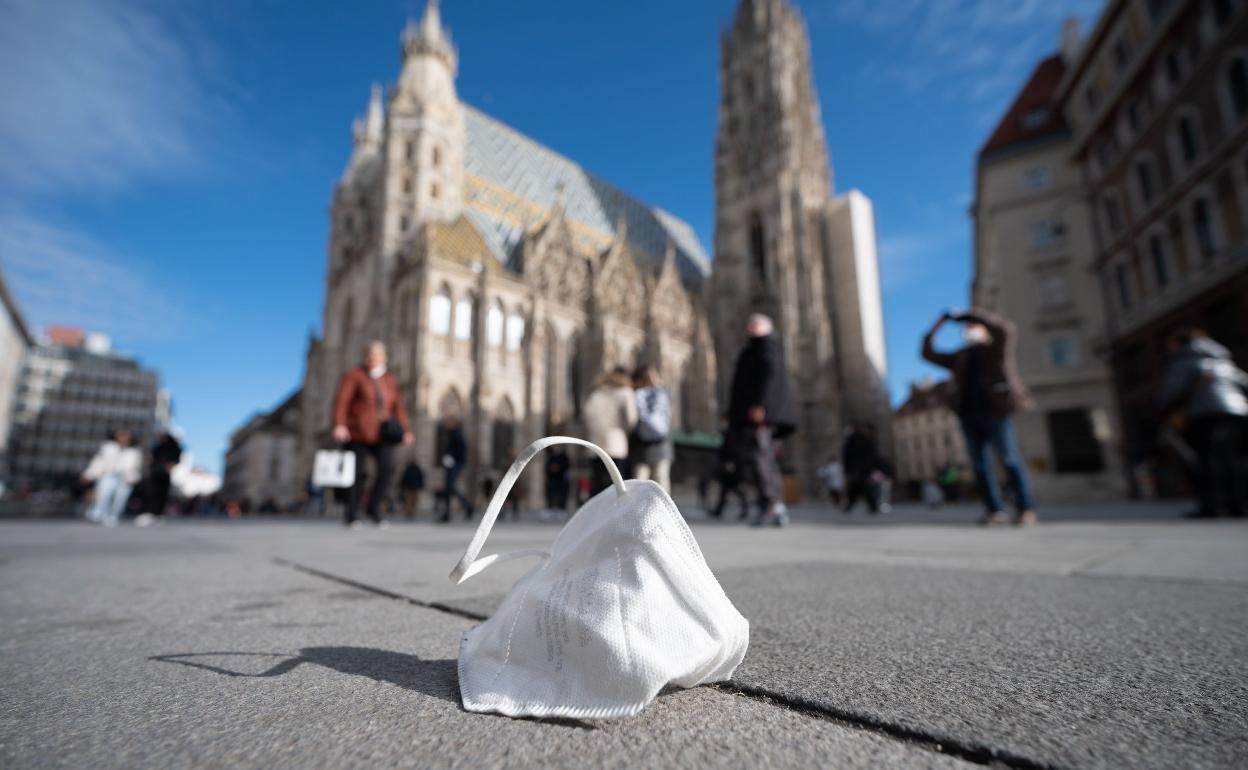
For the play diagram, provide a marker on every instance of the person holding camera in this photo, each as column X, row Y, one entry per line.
column 985, row 391
column 370, row 419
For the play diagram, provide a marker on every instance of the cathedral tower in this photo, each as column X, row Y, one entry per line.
column 784, row 245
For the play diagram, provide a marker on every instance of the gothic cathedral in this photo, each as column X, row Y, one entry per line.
column 785, row 245
column 505, row 279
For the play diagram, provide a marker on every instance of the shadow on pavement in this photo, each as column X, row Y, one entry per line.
column 437, row 678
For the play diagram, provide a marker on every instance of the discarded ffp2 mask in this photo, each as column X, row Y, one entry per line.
column 622, row 606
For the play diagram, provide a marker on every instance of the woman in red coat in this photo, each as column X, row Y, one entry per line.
column 370, row 418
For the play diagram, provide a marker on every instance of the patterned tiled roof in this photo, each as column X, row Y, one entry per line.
column 512, row 182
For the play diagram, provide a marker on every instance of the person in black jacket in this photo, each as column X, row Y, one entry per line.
column 455, row 455
column 166, row 454
column 761, row 410
column 861, row 463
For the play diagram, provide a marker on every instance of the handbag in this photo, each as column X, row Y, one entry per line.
column 333, row 468
column 391, row 430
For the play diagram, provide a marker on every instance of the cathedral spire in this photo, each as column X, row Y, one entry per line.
column 366, row 131
column 428, row 38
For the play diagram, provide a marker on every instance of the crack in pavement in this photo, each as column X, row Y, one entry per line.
column 974, row 753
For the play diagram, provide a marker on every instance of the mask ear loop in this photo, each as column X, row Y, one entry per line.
column 470, row 565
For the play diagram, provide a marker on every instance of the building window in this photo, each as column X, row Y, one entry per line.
column 1072, row 436
column 1112, row 214
column 1174, row 67
column 440, row 312
column 1122, row 54
column 1186, row 131
column 1091, row 98
column 1135, row 115
column 463, row 318
column 1124, row 286
column 1062, row 354
column 1045, row 234
column 434, row 192
column 515, row 331
column 758, row 249
column 407, row 185
column 1202, row 225
column 1036, row 178
column 1144, row 181
column 435, row 156
column 409, row 150
column 1237, row 86
column 494, row 325
column 1157, row 254
column 404, row 223
column 1035, row 118
column 1054, row 292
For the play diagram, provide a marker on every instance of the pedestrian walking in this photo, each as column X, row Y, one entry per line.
column 933, row 497
column 412, row 483
column 558, row 482
column 371, row 419
column 1204, row 391
column 652, row 436
column 610, row 415
column 728, row 474
column 761, row 411
column 165, row 455
column 454, row 458
column 985, row 392
column 862, row 469
column 114, row 470
column 832, row 476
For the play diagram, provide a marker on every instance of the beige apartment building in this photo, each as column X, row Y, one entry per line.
column 260, row 464
column 1157, row 104
column 927, row 437
column 1034, row 263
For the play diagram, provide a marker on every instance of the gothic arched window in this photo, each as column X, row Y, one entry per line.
column 758, row 248
column 440, row 312
column 515, row 331
column 463, row 317
column 494, row 324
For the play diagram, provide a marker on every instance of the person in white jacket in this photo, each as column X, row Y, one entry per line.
column 116, row 467
column 610, row 414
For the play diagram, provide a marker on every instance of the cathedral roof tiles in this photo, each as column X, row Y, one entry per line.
column 512, row 183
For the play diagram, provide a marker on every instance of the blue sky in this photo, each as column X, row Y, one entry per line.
column 166, row 168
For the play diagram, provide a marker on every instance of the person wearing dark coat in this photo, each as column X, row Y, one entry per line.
column 1204, row 390
column 454, row 457
column 862, row 461
column 411, row 483
column 165, row 456
column 984, row 392
column 558, row 480
column 761, row 410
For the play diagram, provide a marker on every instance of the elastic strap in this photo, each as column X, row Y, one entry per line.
column 470, row 564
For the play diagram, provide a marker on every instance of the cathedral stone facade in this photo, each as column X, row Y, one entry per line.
column 505, row 279
column 786, row 245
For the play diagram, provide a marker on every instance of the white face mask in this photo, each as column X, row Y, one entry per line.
column 377, row 371
column 622, row 606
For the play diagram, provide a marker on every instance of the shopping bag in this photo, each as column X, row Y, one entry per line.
column 333, row 468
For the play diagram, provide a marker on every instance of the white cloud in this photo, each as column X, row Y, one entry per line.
column 60, row 275
column 909, row 257
column 977, row 51
column 97, row 95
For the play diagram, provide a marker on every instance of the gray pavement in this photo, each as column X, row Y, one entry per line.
column 1111, row 636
